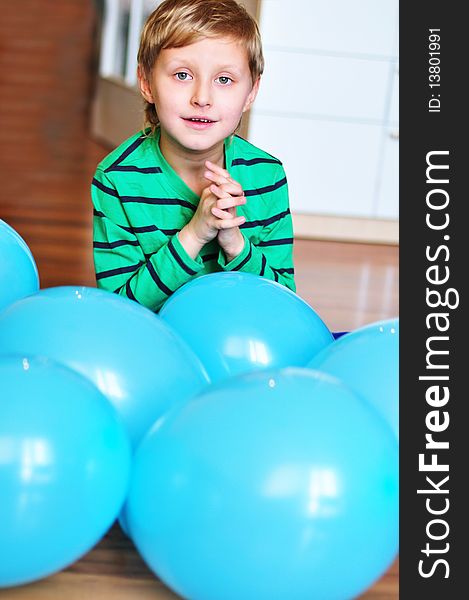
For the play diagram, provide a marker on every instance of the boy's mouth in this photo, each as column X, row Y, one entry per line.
column 198, row 123
column 198, row 120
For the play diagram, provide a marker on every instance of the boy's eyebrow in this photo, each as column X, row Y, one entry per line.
column 176, row 61
column 233, row 68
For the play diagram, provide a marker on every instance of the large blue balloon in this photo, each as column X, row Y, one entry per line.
column 133, row 357
column 367, row 360
column 238, row 322
column 18, row 272
column 64, row 468
column 280, row 484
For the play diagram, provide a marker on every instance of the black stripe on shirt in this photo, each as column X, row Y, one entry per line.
column 134, row 169
column 263, row 222
column 133, row 146
column 116, row 244
column 154, row 275
column 128, row 291
column 253, row 161
column 104, row 188
column 279, row 242
column 267, row 188
column 143, row 229
column 264, row 263
column 162, row 201
column 118, row 271
column 288, row 270
column 245, row 260
column 179, row 260
column 148, row 229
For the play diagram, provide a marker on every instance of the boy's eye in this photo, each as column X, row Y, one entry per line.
column 224, row 80
column 182, row 76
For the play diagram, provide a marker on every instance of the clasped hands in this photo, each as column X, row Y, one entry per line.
column 216, row 216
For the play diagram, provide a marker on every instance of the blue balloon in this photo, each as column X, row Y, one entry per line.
column 18, row 272
column 237, row 323
column 131, row 355
column 65, row 466
column 277, row 484
column 367, row 360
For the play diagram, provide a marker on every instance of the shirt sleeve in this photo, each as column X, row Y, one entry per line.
column 272, row 255
column 121, row 265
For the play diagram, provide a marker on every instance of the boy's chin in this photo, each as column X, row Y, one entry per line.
column 197, row 141
column 202, row 143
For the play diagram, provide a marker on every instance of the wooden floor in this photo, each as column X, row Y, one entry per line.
column 114, row 571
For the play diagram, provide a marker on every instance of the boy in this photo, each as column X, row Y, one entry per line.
column 187, row 197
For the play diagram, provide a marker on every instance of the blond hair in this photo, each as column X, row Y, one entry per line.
column 177, row 23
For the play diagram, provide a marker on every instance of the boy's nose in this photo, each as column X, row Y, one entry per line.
column 202, row 95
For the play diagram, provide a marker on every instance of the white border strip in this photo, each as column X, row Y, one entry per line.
column 349, row 229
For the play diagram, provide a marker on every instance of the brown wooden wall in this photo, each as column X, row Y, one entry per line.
column 47, row 63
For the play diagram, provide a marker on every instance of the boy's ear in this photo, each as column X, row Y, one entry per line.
column 252, row 95
column 144, row 86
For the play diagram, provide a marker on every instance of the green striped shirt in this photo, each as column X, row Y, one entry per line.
column 141, row 203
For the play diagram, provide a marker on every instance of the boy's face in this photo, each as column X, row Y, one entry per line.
column 200, row 92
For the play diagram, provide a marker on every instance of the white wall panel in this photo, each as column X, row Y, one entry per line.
column 394, row 109
column 331, row 167
column 328, row 105
column 324, row 85
column 387, row 205
column 364, row 26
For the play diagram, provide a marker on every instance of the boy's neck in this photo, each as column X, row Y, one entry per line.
column 191, row 166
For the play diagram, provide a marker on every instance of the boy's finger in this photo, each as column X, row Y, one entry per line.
column 220, row 214
column 226, row 183
column 216, row 169
column 231, row 201
column 232, row 188
column 218, row 192
column 216, row 178
column 227, row 189
column 230, row 223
